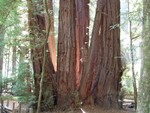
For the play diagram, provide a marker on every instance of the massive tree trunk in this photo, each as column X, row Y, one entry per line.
column 37, row 28
column 100, row 83
column 66, row 69
column 72, row 49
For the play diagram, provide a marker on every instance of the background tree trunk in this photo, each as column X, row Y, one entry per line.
column 14, row 59
column 37, row 28
column 100, row 83
column 1, row 65
column 144, row 85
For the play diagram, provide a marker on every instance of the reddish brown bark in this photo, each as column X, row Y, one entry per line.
column 72, row 48
column 66, row 71
column 82, row 36
column 100, row 84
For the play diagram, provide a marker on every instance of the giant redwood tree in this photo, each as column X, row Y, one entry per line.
column 88, row 74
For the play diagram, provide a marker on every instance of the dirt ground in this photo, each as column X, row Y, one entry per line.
column 84, row 109
column 89, row 109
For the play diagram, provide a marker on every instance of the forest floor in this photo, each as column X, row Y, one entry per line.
column 84, row 109
column 90, row 109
